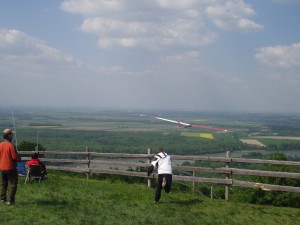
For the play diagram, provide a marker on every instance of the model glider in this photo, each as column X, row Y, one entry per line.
column 184, row 125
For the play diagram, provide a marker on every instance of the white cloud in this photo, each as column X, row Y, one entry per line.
column 233, row 15
column 180, row 32
column 176, row 4
column 16, row 44
column 155, row 24
column 281, row 56
column 90, row 7
column 24, row 56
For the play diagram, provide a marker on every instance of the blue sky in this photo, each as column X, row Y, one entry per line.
column 218, row 55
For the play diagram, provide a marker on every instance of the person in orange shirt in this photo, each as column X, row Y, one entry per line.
column 8, row 166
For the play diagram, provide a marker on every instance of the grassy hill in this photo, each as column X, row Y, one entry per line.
column 67, row 198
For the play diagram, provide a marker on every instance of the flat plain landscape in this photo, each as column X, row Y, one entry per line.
column 123, row 131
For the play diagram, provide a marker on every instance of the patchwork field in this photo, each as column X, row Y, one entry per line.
column 58, row 129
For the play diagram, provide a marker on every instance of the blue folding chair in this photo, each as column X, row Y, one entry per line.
column 21, row 168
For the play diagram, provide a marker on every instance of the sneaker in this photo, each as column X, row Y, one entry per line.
column 2, row 201
column 9, row 203
column 164, row 182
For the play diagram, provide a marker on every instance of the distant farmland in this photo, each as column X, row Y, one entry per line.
column 278, row 137
column 130, row 132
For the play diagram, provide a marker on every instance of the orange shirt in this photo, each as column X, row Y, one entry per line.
column 36, row 162
column 8, row 156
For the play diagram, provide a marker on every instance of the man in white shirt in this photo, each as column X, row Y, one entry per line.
column 163, row 164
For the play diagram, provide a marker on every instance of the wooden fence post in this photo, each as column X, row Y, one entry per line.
column 227, row 187
column 149, row 161
column 193, row 183
column 88, row 164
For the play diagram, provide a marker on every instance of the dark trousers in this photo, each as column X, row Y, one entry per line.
column 159, row 185
column 10, row 177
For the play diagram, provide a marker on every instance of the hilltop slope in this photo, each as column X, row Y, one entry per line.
column 67, row 198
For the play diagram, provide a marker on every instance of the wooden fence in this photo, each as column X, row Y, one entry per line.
column 103, row 163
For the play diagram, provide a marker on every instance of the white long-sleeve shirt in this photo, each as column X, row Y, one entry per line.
column 162, row 163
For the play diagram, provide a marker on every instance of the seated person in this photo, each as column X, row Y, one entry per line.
column 35, row 161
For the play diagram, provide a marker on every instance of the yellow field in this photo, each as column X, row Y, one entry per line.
column 199, row 135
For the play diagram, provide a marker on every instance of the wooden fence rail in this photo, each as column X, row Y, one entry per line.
column 96, row 163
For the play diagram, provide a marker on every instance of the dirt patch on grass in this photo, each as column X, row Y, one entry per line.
column 252, row 142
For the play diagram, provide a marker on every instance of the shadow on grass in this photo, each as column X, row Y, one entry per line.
column 52, row 202
column 46, row 203
column 183, row 202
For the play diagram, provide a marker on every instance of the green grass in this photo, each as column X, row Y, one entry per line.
column 67, row 198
